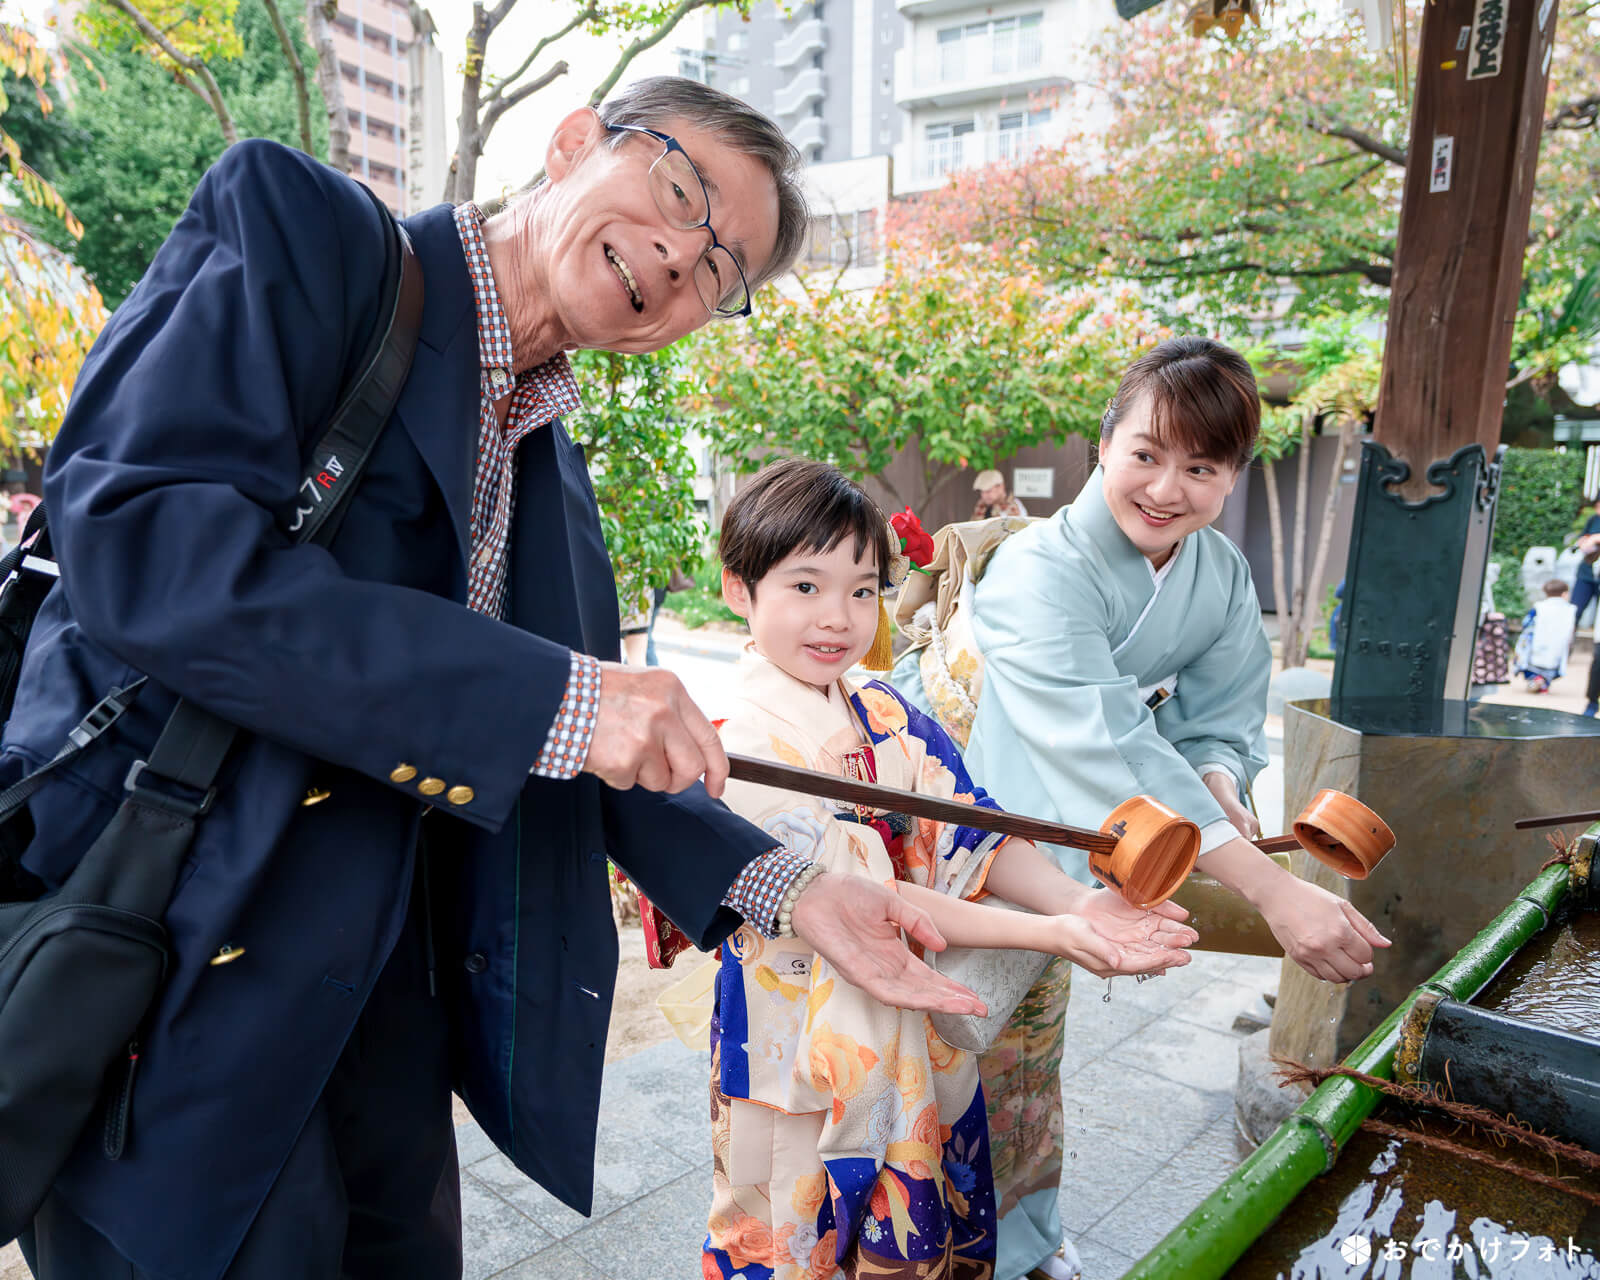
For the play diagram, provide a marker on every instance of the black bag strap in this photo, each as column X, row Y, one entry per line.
column 193, row 744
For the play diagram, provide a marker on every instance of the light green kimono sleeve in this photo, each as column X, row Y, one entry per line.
column 1059, row 732
column 1218, row 715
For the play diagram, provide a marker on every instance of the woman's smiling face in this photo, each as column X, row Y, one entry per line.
column 1158, row 493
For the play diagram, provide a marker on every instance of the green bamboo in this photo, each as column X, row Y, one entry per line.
column 1212, row 1238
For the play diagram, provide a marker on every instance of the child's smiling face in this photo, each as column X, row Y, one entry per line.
column 814, row 614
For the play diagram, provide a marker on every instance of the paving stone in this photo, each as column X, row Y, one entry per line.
column 626, row 1168
column 1260, row 972
column 558, row 1262
column 1217, row 1004
column 1094, row 1026
column 1101, row 1262
column 494, row 1234
column 1148, row 1214
column 662, row 1095
column 657, row 1237
column 472, row 1144
column 1115, row 1102
column 1098, row 1178
column 1185, row 1054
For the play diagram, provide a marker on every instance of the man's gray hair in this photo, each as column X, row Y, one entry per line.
column 659, row 100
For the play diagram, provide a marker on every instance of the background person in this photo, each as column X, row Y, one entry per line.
column 443, row 675
column 993, row 500
column 1113, row 650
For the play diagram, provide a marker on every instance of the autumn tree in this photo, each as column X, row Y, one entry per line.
column 632, row 429
column 49, row 314
column 961, row 354
column 1235, row 178
column 487, row 96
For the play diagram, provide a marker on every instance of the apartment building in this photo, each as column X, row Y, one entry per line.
column 988, row 83
column 824, row 71
column 394, row 95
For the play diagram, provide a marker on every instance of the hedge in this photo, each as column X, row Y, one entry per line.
column 1540, row 491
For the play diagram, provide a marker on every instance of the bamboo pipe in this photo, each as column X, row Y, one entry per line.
column 1212, row 1238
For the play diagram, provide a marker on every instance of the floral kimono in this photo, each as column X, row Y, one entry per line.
column 850, row 1141
column 1074, row 676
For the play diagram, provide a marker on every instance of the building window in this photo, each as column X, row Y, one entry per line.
column 946, row 147
column 739, row 88
column 736, row 41
column 844, row 240
column 995, row 46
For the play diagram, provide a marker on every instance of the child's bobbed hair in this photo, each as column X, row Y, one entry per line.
column 799, row 505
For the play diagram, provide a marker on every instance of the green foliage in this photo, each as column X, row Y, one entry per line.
column 128, row 152
column 703, row 603
column 1509, row 597
column 1320, row 646
column 971, row 359
column 1335, row 366
column 632, row 432
column 1540, row 490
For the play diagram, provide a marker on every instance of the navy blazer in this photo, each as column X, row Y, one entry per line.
column 349, row 667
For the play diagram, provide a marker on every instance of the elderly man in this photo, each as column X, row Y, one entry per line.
column 401, row 889
column 993, row 500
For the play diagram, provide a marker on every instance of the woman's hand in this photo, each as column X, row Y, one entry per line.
column 1226, row 790
column 1132, row 948
column 1320, row 931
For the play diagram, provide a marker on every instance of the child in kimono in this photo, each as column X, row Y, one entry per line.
column 1115, row 649
column 849, row 1140
column 1546, row 639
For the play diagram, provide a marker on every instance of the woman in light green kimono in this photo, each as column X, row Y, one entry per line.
column 1113, row 650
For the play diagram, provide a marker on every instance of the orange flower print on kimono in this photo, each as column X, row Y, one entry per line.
column 847, row 1129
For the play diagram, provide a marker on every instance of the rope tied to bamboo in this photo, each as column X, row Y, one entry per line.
column 1429, row 1097
column 1565, row 848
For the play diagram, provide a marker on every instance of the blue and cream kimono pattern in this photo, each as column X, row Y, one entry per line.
column 1077, row 676
column 849, row 1140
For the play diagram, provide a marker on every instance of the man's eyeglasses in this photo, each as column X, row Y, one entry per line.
column 681, row 196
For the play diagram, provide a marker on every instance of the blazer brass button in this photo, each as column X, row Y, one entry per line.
column 431, row 786
column 460, row 795
column 403, row 773
column 316, row 796
column 226, row 954
column 476, row 962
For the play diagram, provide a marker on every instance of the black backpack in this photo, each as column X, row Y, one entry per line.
column 81, row 965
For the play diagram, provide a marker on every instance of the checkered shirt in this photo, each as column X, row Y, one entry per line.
column 539, row 396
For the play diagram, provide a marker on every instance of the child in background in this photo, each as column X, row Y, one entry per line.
column 1547, row 632
column 848, row 1138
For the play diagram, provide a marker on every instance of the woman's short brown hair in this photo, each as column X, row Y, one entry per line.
column 1203, row 399
column 798, row 505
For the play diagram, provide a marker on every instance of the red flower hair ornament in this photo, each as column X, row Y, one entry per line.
column 915, row 546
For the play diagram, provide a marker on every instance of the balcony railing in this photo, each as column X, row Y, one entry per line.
column 999, row 54
column 808, row 38
column 810, row 132
column 940, row 157
column 800, row 92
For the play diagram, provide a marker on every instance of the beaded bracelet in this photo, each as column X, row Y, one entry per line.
column 791, row 895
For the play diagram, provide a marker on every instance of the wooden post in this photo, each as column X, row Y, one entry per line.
column 1482, row 70
column 1419, row 543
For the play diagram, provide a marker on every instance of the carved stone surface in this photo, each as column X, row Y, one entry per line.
column 1450, row 784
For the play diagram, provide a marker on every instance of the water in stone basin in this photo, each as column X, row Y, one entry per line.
column 1393, row 1209
column 1554, row 980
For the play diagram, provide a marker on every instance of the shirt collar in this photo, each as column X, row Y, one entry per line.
column 554, row 377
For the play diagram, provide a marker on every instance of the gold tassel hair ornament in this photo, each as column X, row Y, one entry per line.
column 904, row 528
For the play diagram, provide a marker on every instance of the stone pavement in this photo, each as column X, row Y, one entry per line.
column 1149, row 1133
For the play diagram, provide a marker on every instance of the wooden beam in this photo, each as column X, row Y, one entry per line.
column 1482, row 71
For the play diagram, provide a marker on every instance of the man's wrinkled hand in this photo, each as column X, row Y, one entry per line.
column 649, row 733
column 855, row 925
